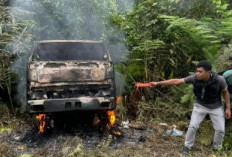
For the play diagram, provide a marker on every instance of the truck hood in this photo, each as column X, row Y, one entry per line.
column 71, row 71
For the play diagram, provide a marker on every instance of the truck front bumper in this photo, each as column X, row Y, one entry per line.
column 71, row 104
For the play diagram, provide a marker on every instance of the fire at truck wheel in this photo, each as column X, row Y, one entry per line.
column 43, row 123
column 103, row 120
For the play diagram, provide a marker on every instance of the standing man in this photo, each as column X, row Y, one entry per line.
column 208, row 87
column 228, row 77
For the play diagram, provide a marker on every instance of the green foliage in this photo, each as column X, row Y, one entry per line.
column 195, row 9
column 132, row 72
column 135, row 69
column 160, row 110
column 168, row 42
column 206, row 133
column 188, row 97
column 227, row 142
column 14, row 35
column 4, row 111
column 222, row 62
column 165, row 44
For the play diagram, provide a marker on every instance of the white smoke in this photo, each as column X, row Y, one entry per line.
column 67, row 19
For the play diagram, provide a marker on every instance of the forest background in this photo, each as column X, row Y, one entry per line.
column 149, row 40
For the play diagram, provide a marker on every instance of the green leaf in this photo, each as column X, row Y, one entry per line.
column 171, row 75
column 224, row 6
column 228, row 13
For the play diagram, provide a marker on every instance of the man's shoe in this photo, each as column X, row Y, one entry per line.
column 185, row 150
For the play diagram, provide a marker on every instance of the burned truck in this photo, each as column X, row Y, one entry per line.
column 70, row 75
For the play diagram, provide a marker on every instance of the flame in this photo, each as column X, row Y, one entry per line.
column 112, row 118
column 118, row 99
column 111, row 126
column 117, row 133
column 42, row 122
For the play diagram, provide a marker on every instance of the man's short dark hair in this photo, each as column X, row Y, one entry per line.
column 205, row 65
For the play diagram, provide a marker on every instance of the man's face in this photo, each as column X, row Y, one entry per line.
column 202, row 74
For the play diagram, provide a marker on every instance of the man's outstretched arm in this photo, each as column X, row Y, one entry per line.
column 168, row 82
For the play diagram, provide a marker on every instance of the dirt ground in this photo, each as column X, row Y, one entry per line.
column 139, row 140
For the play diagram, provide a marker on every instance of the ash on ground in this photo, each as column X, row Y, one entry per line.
column 26, row 140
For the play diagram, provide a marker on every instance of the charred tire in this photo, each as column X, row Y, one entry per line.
column 104, row 120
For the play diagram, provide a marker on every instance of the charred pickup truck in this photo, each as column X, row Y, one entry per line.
column 70, row 75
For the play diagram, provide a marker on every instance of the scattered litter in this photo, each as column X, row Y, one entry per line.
column 167, row 132
column 177, row 132
column 163, row 124
column 173, row 132
column 138, row 126
column 17, row 138
column 125, row 124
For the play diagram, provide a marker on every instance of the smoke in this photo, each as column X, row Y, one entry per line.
column 20, row 67
column 77, row 19
column 67, row 19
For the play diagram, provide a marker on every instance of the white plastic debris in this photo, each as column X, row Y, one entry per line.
column 163, row 124
column 17, row 138
column 176, row 132
column 173, row 132
column 125, row 124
